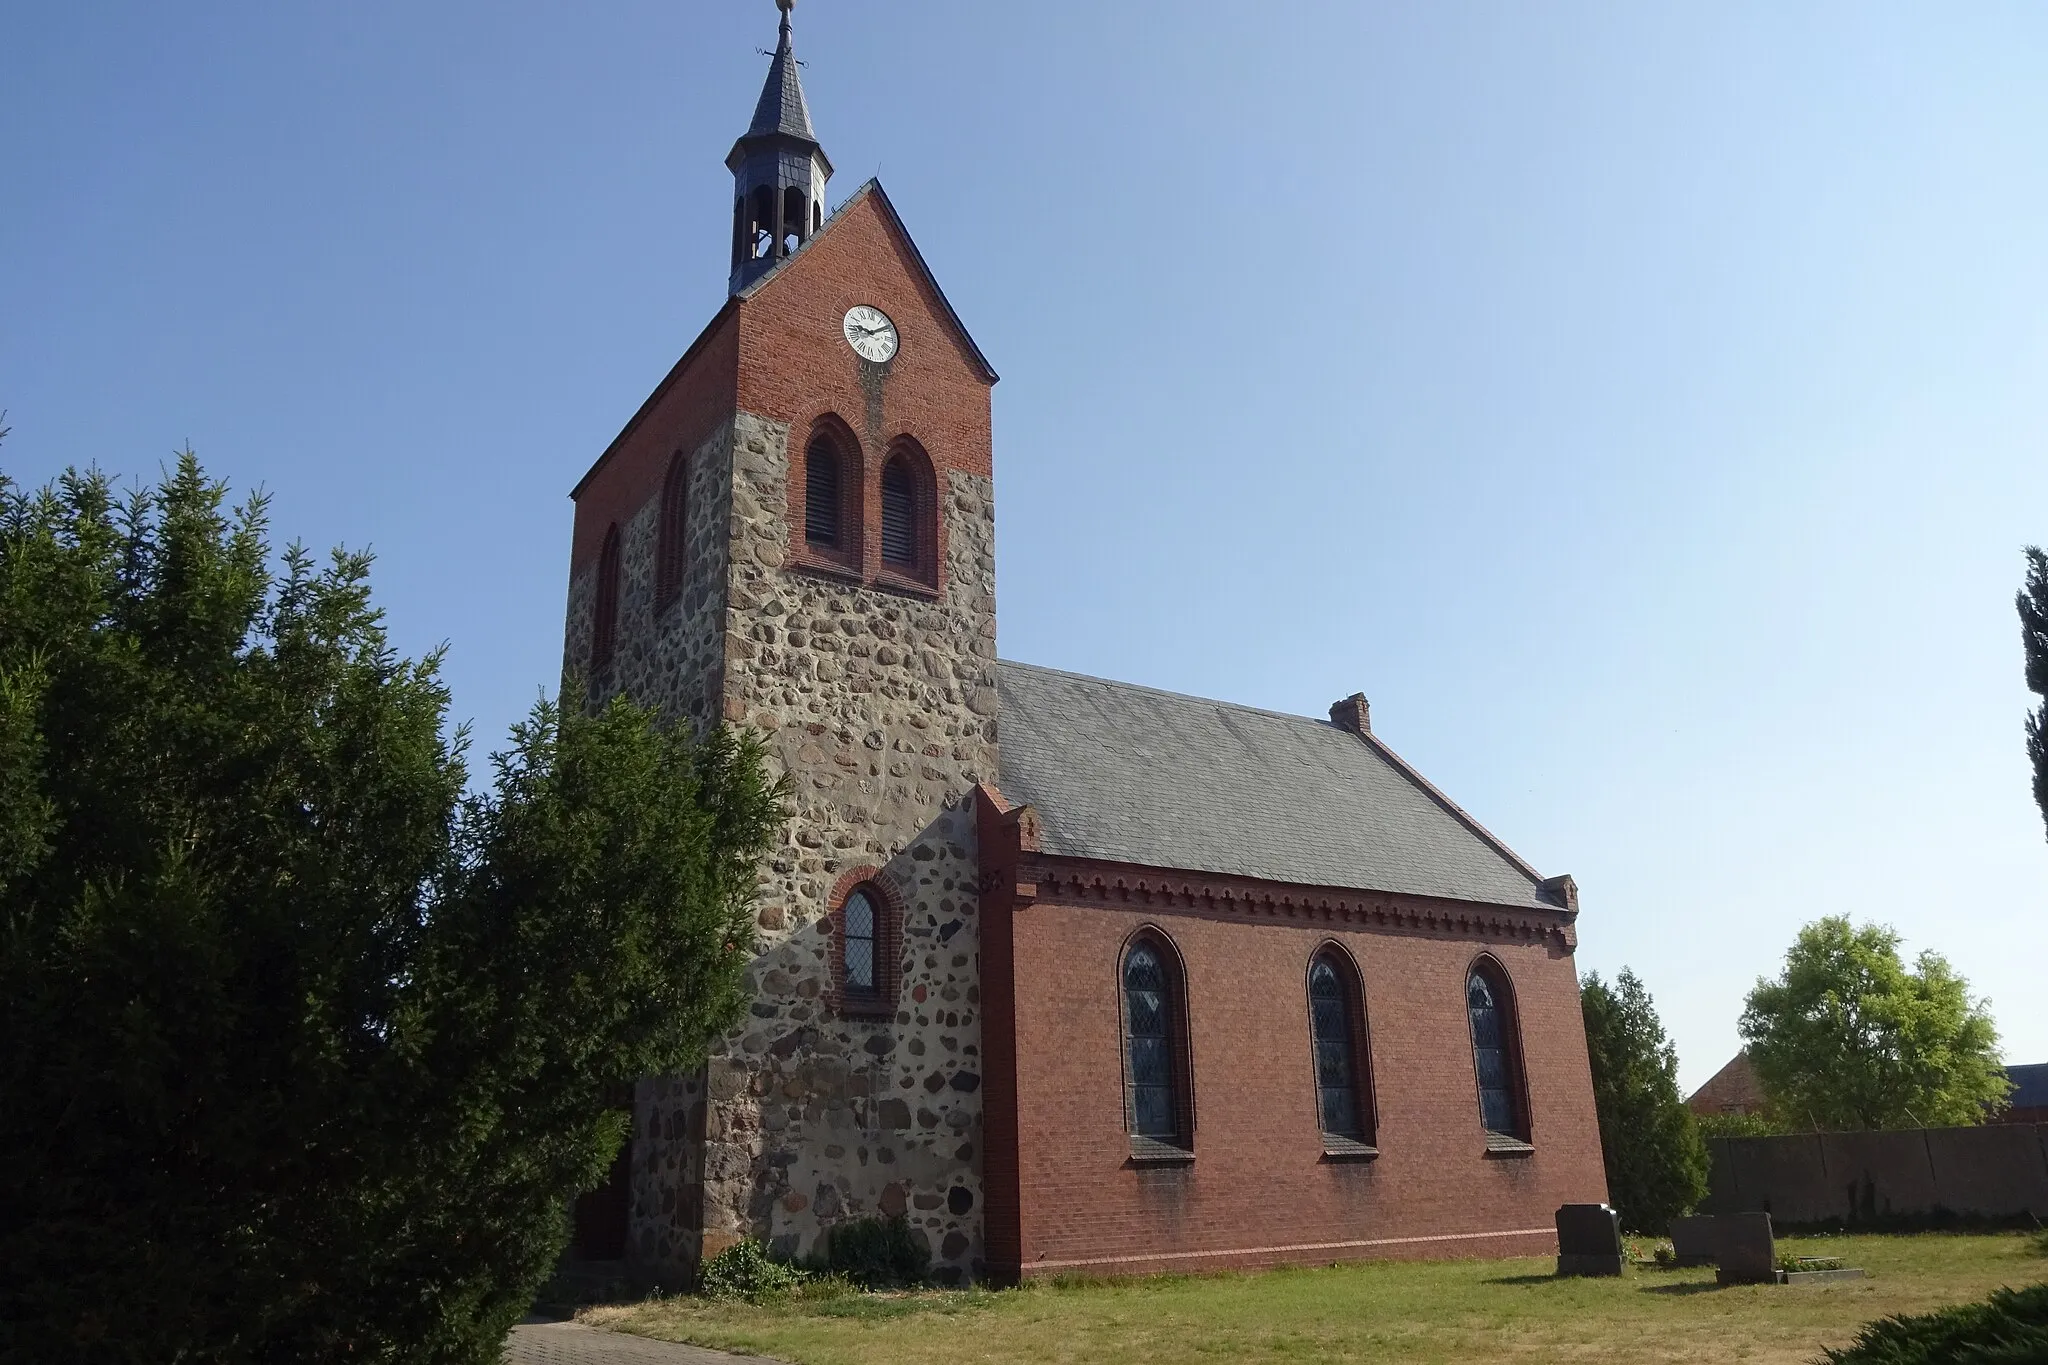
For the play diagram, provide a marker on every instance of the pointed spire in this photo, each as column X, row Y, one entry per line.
column 782, row 108
column 779, row 171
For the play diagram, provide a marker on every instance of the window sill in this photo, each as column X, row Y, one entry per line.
column 1147, row 1151
column 1500, row 1144
column 906, row 587
column 1336, row 1148
column 808, row 562
column 864, row 1006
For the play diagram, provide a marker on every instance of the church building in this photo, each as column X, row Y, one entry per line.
column 1075, row 975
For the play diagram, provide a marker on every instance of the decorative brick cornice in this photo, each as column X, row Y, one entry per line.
column 1084, row 880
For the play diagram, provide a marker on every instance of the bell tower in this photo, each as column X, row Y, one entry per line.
column 779, row 171
column 796, row 534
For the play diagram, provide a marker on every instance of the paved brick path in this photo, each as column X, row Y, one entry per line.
column 570, row 1343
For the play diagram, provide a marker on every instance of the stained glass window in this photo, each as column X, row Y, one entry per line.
column 1490, row 1056
column 858, row 919
column 1148, row 1027
column 1329, row 1008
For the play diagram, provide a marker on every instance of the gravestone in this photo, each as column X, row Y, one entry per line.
column 1588, row 1240
column 1745, row 1249
column 1695, row 1240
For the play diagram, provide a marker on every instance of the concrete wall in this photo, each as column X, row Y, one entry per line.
column 1992, row 1171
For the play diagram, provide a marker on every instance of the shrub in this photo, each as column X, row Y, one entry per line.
column 1736, row 1125
column 878, row 1253
column 2009, row 1328
column 748, row 1270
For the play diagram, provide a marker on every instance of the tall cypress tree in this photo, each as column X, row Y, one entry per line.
column 2033, row 604
column 1656, row 1160
column 305, row 1043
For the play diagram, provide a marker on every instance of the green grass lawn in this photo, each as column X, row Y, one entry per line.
column 1410, row 1311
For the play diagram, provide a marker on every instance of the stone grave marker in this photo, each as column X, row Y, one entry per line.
column 1588, row 1240
column 1695, row 1240
column 1745, row 1250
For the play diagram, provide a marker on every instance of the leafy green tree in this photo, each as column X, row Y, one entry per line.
column 304, row 1044
column 1656, row 1162
column 2033, row 608
column 1849, row 1038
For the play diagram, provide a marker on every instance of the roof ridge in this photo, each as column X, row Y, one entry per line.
column 1167, row 692
column 1374, row 744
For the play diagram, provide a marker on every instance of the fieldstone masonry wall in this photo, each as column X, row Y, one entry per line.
column 675, row 659
column 883, row 708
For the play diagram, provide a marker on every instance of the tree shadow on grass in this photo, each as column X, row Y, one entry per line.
column 1530, row 1279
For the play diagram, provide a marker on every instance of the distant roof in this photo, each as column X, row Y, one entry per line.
column 1734, row 1089
column 2030, row 1086
column 1129, row 774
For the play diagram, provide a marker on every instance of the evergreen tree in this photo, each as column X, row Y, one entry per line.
column 1848, row 1038
column 304, row 1046
column 1656, row 1160
column 2033, row 607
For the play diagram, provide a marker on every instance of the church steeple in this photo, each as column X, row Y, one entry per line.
column 779, row 171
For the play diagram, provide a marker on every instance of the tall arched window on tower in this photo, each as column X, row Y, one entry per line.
column 672, row 542
column 1336, row 1012
column 1157, row 1106
column 1496, row 1055
column 604, row 616
column 899, row 514
column 909, row 529
column 824, row 501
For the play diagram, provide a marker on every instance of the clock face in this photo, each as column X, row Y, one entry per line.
column 870, row 333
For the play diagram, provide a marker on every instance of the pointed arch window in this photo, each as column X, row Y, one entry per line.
column 909, row 507
column 1496, row 1055
column 899, row 514
column 604, row 622
column 1157, row 1106
column 824, row 502
column 672, row 542
column 1336, row 1011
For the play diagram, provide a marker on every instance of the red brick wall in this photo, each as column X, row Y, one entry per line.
column 780, row 354
column 1260, row 1190
column 795, row 365
column 686, row 408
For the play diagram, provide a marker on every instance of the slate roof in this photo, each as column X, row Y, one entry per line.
column 1734, row 1089
column 782, row 108
column 1128, row 774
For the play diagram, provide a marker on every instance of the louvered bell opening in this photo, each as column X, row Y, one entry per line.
column 821, row 494
column 899, row 516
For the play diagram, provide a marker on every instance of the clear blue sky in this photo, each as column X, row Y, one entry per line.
column 1643, row 404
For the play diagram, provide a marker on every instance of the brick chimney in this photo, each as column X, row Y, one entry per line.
column 1354, row 713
